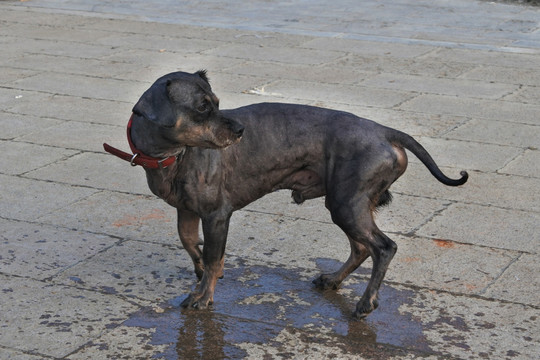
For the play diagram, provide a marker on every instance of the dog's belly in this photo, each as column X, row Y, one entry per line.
column 305, row 184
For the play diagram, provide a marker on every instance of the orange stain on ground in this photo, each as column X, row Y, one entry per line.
column 444, row 243
column 129, row 220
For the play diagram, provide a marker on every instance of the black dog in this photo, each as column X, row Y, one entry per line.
column 208, row 163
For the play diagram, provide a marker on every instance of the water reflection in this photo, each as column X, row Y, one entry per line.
column 203, row 336
column 255, row 304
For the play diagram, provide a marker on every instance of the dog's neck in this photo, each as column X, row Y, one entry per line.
column 153, row 162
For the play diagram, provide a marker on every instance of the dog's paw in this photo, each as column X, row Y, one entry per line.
column 364, row 308
column 197, row 301
column 326, row 282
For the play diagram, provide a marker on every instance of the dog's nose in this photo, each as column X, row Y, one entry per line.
column 239, row 131
column 236, row 128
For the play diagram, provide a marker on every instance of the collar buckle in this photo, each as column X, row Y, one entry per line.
column 132, row 161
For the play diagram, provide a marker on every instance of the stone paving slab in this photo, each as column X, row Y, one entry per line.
column 423, row 65
column 13, row 74
column 507, row 229
column 524, row 61
column 72, row 65
column 67, row 107
column 468, row 269
column 14, row 165
column 138, row 217
column 368, row 48
column 476, row 156
column 15, row 125
column 504, row 191
column 324, row 74
column 122, row 342
column 501, row 74
column 157, row 43
column 12, row 97
column 278, row 54
column 17, row 355
column 527, row 94
column 81, row 169
column 444, row 86
column 47, row 32
column 343, row 94
column 498, row 132
column 41, row 252
column 528, row 164
column 75, row 135
column 136, row 270
column 477, row 108
column 516, row 284
column 81, row 86
column 55, row 320
column 473, row 329
column 417, row 124
column 91, row 265
column 29, row 199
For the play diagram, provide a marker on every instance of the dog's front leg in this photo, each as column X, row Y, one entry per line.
column 215, row 228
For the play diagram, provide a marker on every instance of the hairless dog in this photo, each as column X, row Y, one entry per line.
column 208, row 162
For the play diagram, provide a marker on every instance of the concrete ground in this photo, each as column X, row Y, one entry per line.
column 90, row 264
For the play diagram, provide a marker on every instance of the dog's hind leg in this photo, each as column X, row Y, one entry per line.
column 359, row 253
column 355, row 218
column 382, row 252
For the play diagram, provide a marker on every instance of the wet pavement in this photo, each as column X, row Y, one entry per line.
column 90, row 264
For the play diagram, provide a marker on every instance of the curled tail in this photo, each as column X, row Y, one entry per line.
column 409, row 143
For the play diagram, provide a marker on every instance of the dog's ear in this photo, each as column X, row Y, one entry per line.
column 178, row 92
column 156, row 106
column 203, row 74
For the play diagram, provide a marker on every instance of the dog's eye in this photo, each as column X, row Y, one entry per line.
column 202, row 108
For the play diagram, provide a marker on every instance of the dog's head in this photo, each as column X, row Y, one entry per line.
column 179, row 110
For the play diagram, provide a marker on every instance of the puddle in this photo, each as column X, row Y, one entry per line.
column 255, row 305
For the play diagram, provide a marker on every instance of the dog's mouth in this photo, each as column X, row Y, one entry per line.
column 230, row 142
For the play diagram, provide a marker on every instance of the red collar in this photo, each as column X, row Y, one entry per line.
column 138, row 158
